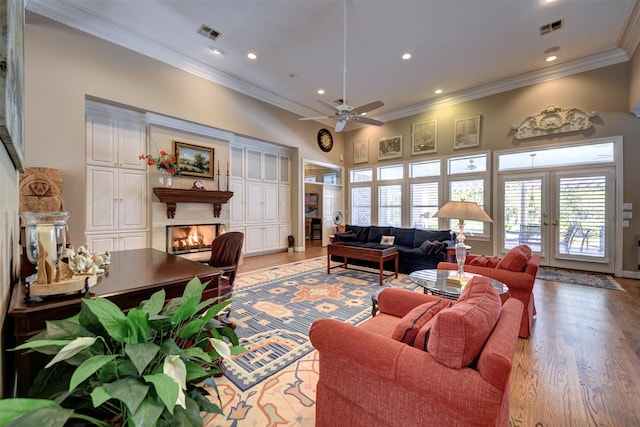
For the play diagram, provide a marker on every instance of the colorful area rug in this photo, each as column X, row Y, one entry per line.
column 274, row 382
column 595, row 280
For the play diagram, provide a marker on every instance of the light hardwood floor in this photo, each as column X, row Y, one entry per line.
column 581, row 366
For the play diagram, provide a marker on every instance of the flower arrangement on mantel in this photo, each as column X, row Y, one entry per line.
column 167, row 162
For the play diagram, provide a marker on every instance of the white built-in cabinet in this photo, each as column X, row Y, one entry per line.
column 261, row 202
column 116, row 183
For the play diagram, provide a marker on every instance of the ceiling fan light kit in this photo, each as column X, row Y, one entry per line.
column 344, row 112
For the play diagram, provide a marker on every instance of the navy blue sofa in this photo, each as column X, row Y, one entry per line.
column 417, row 249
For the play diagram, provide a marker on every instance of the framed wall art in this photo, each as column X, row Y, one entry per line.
column 12, row 80
column 424, row 137
column 467, row 132
column 390, row 148
column 194, row 160
column 361, row 150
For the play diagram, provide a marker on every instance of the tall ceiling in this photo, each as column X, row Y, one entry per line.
column 467, row 48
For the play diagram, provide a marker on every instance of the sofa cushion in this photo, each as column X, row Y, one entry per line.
column 485, row 261
column 432, row 248
column 458, row 333
column 404, row 236
column 441, row 235
column 516, row 259
column 348, row 236
column 408, row 327
column 361, row 232
column 376, row 233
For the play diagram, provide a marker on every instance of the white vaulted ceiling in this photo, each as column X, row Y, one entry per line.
column 467, row 48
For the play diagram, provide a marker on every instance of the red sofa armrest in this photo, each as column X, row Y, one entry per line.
column 398, row 302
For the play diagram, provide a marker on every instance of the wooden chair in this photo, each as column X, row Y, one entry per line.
column 225, row 255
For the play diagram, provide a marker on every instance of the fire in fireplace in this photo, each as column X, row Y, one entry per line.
column 191, row 238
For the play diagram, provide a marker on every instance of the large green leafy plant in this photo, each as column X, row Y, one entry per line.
column 149, row 367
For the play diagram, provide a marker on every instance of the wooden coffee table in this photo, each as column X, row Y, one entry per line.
column 366, row 254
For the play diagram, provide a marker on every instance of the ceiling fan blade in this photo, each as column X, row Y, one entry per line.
column 368, row 107
column 340, row 124
column 367, row 120
column 326, row 104
column 314, row 118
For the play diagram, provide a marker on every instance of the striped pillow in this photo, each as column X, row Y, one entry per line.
column 410, row 324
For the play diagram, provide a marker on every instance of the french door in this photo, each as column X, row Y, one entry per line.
column 566, row 216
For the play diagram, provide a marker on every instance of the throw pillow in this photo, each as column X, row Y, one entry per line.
column 422, row 337
column 348, row 236
column 459, row 333
column 493, row 262
column 432, row 248
column 387, row 240
column 480, row 261
column 515, row 260
column 410, row 324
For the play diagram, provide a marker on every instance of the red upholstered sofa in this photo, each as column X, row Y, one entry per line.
column 421, row 361
column 517, row 269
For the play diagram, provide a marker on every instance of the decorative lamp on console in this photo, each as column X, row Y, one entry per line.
column 462, row 210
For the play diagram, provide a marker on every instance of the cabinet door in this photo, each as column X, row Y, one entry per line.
column 253, row 239
column 271, row 241
column 270, row 167
column 102, row 141
column 132, row 200
column 127, row 241
column 254, row 203
column 131, row 143
column 284, row 202
column 237, row 201
column 102, row 199
column 102, row 243
column 285, row 231
column 270, row 202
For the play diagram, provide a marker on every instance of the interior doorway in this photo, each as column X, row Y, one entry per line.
column 323, row 197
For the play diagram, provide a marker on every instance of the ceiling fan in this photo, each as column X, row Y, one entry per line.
column 344, row 112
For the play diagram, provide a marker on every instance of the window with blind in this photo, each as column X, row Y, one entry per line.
column 424, row 190
column 361, row 181
column 467, row 178
column 390, row 182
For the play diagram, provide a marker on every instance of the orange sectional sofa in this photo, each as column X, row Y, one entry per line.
column 421, row 361
column 517, row 269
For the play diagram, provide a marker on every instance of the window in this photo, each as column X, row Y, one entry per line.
column 361, row 181
column 390, row 205
column 424, row 184
column 467, row 180
column 390, row 182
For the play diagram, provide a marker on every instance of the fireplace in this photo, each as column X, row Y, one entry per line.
column 182, row 239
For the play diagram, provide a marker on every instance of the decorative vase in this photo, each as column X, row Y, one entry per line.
column 165, row 179
column 50, row 228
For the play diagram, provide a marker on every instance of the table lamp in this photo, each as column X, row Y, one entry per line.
column 462, row 210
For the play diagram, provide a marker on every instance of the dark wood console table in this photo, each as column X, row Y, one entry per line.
column 133, row 276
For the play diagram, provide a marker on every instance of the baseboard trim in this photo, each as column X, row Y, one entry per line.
column 631, row 274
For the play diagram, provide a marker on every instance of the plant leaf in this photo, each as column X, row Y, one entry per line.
column 197, row 352
column 98, row 396
column 138, row 325
column 148, row 413
column 192, row 328
column 43, row 417
column 190, row 300
column 154, row 305
column 12, row 409
column 174, row 367
column 166, row 389
column 204, row 404
column 71, row 349
column 196, row 371
column 141, row 354
column 128, row 390
column 110, row 317
column 88, row 368
column 41, row 343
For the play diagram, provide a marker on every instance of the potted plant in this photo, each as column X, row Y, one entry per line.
column 150, row 366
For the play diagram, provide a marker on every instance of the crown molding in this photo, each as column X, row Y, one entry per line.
column 69, row 15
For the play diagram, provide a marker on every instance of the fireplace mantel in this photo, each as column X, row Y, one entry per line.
column 173, row 196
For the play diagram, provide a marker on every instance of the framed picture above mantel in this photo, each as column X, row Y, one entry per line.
column 194, row 160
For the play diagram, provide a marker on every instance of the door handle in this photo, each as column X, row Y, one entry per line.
column 546, row 223
column 554, row 223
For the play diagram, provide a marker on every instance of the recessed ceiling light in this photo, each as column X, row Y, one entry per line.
column 547, row 1
column 438, row 91
column 406, row 56
column 551, row 58
column 252, row 55
column 320, row 91
column 216, row 50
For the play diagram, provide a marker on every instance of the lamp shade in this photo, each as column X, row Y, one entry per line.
column 468, row 211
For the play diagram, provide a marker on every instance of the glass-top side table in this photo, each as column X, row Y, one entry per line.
column 435, row 281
